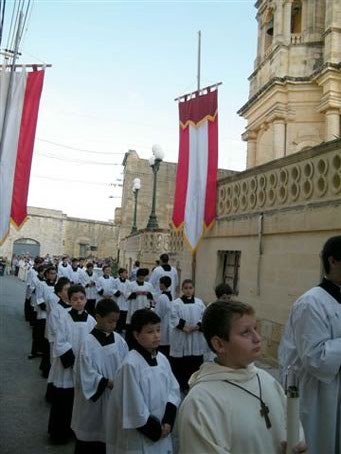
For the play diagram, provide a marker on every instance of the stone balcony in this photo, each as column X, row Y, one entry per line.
column 309, row 177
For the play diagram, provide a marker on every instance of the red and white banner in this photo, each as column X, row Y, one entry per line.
column 196, row 179
column 18, row 141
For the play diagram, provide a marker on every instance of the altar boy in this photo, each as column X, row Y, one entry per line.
column 232, row 406
column 73, row 327
column 145, row 397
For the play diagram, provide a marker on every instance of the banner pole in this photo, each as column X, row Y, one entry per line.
column 199, row 59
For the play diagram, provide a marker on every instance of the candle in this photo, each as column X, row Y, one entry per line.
column 293, row 411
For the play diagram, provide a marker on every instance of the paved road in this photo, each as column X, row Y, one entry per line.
column 23, row 411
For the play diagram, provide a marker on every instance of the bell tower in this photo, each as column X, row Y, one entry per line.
column 295, row 88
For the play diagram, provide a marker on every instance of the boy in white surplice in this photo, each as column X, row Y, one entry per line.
column 100, row 357
column 142, row 408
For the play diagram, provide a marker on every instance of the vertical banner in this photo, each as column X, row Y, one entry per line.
column 196, row 179
column 17, row 135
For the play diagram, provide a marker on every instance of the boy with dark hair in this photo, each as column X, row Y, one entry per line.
column 140, row 294
column 72, row 329
column 223, row 292
column 143, row 405
column 163, row 309
column 164, row 269
column 76, row 273
column 121, row 294
column 233, row 406
column 105, row 285
column 100, row 357
column 187, row 343
column 89, row 283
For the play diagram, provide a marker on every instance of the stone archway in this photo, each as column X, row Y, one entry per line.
column 26, row 246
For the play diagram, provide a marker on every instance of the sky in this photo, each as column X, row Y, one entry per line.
column 116, row 69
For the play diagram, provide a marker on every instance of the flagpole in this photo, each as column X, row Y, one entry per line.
column 194, row 255
column 10, row 83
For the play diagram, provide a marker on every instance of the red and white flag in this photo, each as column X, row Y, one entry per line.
column 18, row 140
column 196, row 179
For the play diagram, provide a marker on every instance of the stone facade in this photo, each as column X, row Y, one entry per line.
column 146, row 246
column 295, row 89
column 58, row 234
column 276, row 217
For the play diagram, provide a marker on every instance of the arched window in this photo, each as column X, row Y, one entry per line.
column 269, row 30
column 296, row 17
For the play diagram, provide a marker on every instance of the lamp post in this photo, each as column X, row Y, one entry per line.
column 154, row 162
column 136, row 188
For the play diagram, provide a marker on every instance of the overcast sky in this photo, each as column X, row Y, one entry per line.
column 117, row 67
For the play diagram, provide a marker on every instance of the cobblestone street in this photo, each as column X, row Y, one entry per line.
column 23, row 410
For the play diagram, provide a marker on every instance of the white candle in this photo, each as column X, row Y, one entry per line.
column 293, row 410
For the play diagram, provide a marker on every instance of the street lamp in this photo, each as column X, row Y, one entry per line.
column 136, row 188
column 154, row 162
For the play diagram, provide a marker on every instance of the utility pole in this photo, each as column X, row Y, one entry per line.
column 10, row 83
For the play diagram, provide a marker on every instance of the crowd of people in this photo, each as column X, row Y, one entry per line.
column 132, row 367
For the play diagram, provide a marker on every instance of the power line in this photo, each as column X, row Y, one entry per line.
column 96, row 183
column 77, row 149
column 77, row 161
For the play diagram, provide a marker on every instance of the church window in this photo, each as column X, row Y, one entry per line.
column 296, row 17
column 269, row 31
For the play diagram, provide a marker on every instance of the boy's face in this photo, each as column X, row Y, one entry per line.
column 78, row 301
column 75, row 264
column 108, row 322
column 149, row 337
column 51, row 275
column 225, row 297
column 140, row 278
column 107, row 271
column 244, row 345
column 63, row 293
column 188, row 289
column 163, row 288
column 124, row 274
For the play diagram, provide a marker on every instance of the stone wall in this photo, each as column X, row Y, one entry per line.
column 59, row 234
column 278, row 216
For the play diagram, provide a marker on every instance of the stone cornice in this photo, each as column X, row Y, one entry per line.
column 283, row 80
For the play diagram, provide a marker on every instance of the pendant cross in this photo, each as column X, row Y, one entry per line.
column 264, row 412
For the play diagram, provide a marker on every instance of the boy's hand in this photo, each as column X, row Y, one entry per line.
column 300, row 448
column 110, row 384
column 187, row 329
column 165, row 430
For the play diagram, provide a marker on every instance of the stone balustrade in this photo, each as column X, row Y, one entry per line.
column 296, row 38
column 299, row 179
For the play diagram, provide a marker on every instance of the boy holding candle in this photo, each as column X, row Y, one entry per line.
column 232, row 406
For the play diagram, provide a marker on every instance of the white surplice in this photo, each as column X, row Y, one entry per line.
column 141, row 301
column 69, row 335
column 164, row 270
column 95, row 363
column 140, row 391
column 181, row 343
column 312, row 343
column 124, row 288
column 163, row 309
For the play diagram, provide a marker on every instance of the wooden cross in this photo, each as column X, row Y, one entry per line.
column 264, row 412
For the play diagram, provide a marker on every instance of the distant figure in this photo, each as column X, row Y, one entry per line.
column 134, row 271
column 164, row 269
column 312, row 344
column 223, row 292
